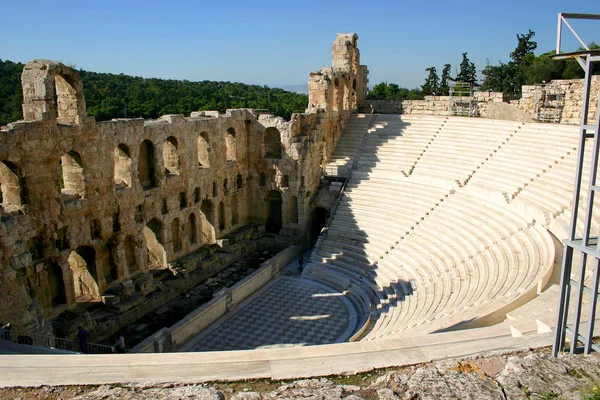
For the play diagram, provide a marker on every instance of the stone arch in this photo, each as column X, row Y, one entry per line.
column 293, row 210
column 153, row 233
column 272, row 143
column 274, row 221
column 72, row 179
column 146, row 165
column 82, row 263
column 129, row 247
column 203, row 150
column 230, row 142
column 175, row 235
column 123, row 163
column 10, row 186
column 52, row 91
column 192, row 229
column 221, row 215
column 234, row 210
column 56, row 285
column 171, row 156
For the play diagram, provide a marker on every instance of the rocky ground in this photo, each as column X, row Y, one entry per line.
column 514, row 376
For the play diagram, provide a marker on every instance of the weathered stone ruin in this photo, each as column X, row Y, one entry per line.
column 97, row 215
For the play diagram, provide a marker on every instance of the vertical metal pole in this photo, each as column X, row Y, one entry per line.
column 592, row 313
column 594, row 161
column 564, row 296
column 559, row 33
column 580, row 288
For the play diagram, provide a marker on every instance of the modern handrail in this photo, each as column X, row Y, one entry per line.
column 52, row 342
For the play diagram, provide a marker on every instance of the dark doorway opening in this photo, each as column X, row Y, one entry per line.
column 320, row 216
column 274, row 220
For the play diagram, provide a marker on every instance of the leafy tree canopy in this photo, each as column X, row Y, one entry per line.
column 385, row 91
column 467, row 71
column 444, row 84
column 431, row 86
column 110, row 96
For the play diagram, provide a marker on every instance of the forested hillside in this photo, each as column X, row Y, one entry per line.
column 114, row 96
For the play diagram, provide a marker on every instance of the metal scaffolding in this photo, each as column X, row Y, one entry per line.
column 581, row 244
column 462, row 102
column 549, row 103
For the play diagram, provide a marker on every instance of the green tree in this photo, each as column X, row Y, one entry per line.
column 444, row 85
column 431, row 86
column 392, row 91
column 467, row 71
column 525, row 47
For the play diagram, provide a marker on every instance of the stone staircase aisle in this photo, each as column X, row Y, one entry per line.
column 348, row 146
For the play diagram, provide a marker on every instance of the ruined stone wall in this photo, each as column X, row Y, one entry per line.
column 533, row 98
column 343, row 85
column 431, row 105
column 88, row 205
column 568, row 112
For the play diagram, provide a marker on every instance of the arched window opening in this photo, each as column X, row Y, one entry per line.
column 285, row 181
column 192, row 230
column 347, row 94
column 234, row 210
column 207, row 210
column 203, row 150
column 72, row 181
column 221, row 216
column 354, row 93
column 230, row 141
column 293, row 210
column 196, row 195
column 82, row 262
column 175, row 237
column 56, row 285
column 274, row 220
column 10, row 188
column 225, row 190
column 66, row 100
column 336, row 94
column 157, row 257
column 146, row 165
column 214, row 191
column 272, row 143
column 122, row 167
column 239, row 181
column 129, row 246
column 171, row 156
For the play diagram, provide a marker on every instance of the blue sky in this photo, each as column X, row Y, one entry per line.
column 276, row 42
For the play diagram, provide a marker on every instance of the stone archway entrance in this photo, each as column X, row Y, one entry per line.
column 82, row 262
column 157, row 257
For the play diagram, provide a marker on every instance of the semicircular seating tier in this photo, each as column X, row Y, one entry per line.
column 445, row 221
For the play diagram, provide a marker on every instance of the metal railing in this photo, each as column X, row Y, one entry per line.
column 51, row 342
